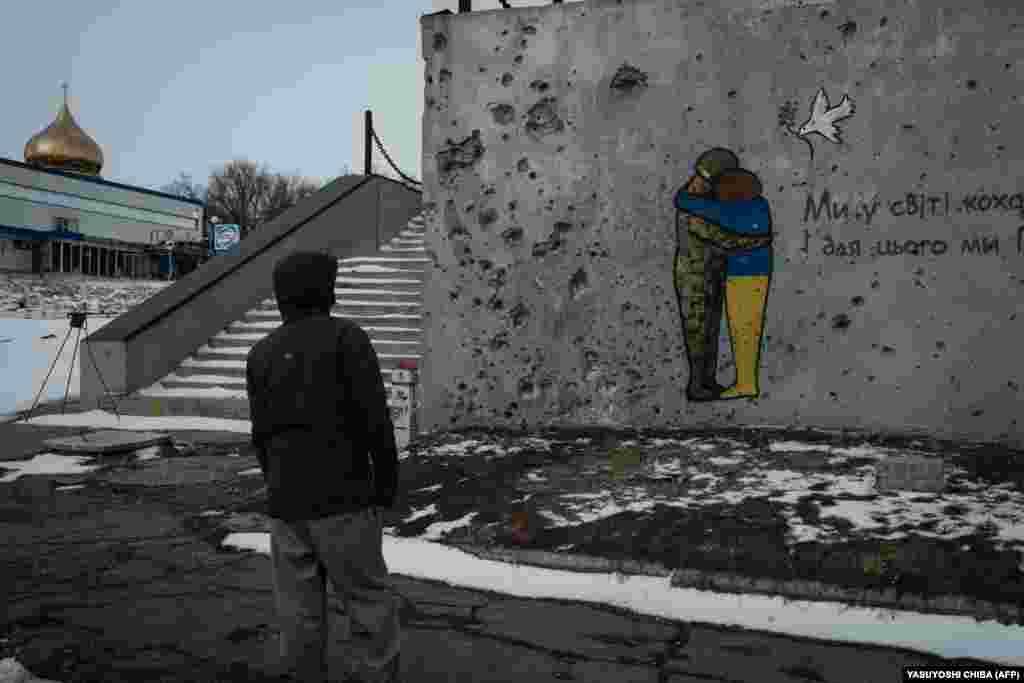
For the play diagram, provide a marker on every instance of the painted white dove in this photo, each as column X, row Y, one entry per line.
column 823, row 117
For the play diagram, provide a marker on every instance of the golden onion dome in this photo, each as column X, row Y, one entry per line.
column 64, row 146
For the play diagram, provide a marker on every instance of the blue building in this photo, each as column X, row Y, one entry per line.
column 57, row 215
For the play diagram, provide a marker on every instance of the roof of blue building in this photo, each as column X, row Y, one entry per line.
column 99, row 181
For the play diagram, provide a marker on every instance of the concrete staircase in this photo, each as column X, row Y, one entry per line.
column 382, row 293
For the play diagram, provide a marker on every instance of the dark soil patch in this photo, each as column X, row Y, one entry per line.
column 747, row 538
column 993, row 464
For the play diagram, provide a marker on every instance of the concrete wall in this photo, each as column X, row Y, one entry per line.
column 344, row 218
column 34, row 199
column 555, row 139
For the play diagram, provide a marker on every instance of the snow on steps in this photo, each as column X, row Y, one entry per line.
column 383, row 294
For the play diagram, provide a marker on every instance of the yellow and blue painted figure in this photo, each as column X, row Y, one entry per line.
column 738, row 209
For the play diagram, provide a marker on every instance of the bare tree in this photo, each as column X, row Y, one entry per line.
column 285, row 192
column 248, row 195
column 244, row 194
column 184, row 187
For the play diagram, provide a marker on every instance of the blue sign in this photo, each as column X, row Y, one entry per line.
column 226, row 237
column 167, row 264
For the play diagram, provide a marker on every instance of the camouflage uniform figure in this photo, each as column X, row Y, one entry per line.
column 699, row 278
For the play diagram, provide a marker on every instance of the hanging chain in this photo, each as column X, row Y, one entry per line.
column 388, row 158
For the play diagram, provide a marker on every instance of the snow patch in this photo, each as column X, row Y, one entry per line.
column 438, row 529
column 47, row 463
column 101, row 419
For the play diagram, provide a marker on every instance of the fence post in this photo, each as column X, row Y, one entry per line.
column 368, row 144
column 402, row 401
column 465, row 6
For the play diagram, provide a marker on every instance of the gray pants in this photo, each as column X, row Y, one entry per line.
column 347, row 549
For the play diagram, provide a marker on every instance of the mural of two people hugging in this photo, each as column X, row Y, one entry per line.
column 723, row 259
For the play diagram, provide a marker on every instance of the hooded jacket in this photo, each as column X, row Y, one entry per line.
column 318, row 404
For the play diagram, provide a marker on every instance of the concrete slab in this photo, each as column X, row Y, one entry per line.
column 180, row 471
column 21, row 441
column 105, row 441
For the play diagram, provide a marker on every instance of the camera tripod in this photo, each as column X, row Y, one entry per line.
column 77, row 322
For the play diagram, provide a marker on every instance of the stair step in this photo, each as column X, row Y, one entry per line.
column 348, row 309
column 209, row 352
column 239, row 335
column 203, row 379
column 398, row 320
column 372, row 272
column 389, row 261
column 200, row 383
column 405, row 250
column 355, row 292
column 236, row 368
column 411, row 262
column 355, row 309
column 349, row 282
column 372, row 296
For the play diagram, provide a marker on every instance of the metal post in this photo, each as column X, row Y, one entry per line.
column 402, row 401
column 378, row 215
column 368, row 144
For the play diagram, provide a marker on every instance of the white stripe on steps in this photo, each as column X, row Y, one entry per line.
column 378, row 303
column 271, row 326
column 244, row 350
column 389, row 259
column 369, row 268
column 240, row 364
column 396, row 292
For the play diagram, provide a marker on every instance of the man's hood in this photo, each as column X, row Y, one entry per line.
column 304, row 284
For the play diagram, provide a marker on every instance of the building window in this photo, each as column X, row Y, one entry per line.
column 65, row 224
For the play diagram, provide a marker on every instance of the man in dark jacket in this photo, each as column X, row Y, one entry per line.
column 318, row 409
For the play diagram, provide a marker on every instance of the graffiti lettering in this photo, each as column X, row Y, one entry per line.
column 835, row 210
column 841, row 249
column 984, row 245
column 912, row 247
column 918, row 205
column 870, row 209
column 855, row 248
column 982, row 203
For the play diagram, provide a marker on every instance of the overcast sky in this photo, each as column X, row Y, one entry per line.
column 165, row 87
